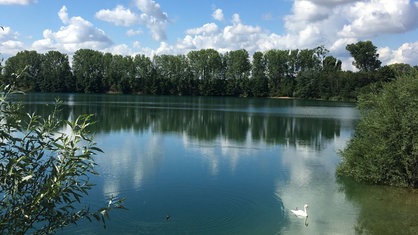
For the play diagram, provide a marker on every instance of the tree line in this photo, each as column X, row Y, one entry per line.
column 304, row 73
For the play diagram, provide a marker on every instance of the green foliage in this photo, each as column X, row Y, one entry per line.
column 88, row 69
column 28, row 65
column 259, row 82
column 45, row 169
column 173, row 73
column 206, row 69
column 276, row 69
column 303, row 73
column 55, row 73
column 384, row 149
column 237, row 70
column 144, row 74
column 365, row 55
column 49, row 72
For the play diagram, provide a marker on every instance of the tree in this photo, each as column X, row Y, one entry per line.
column 206, row 67
column 365, row 56
column 55, row 73
column 118, row 75
column 308, row 84
column 173, row 73
column 331, row 64
column 28, row 65
column 277, row 68
column 384, row 149
column 329, row 78
column 88, row 70
column 400, row 69
column 259, row 82
column 144, row 74
column 237, row 71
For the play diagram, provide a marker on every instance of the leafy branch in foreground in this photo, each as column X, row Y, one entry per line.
column 45, row 171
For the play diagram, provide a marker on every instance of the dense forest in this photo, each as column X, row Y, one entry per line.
column 304, row 73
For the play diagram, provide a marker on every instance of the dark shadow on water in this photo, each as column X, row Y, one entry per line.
column 382, row 209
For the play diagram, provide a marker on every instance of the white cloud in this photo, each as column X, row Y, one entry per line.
column 406, row 53
column 336, row 23
column 151, row 8
column 150, row 15
column 234, row 36
column 63, row 15
column 77, row 33
column 207, row 29
column 16, row 2
column 332, row 2
column 373, row 18
column 353, row 18
column 119, row 16
column 385, row 54
column 338, row 47
column 155, row 19
column 218, row 15
column 305, row 12
column 132, row 32
column 236, row 19
column 10, row 43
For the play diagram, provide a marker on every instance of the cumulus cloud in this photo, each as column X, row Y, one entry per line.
column 10, row 43
column 16, row 2
column 207, row 29
column 406, row 53
column 218, row 15
column 132, row 32
column 155, row 19
column 336, row 23
column 353, row 18
column 75, row 34
column 332, row 2
column 236, row 35
column 119, row 16
column 305, row 12
column 149, row 15
column 368, row 19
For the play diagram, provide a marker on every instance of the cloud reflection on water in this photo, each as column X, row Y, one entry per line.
column 289, row 157
column 312, row 181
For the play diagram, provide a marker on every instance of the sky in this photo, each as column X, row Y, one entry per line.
column 154, row 27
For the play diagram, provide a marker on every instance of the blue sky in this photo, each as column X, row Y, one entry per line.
column 150, row 27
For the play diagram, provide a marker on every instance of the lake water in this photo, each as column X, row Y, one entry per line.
column 229, row 166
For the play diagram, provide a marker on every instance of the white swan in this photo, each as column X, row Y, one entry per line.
column 301, row 213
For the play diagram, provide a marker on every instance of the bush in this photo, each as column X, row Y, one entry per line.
column 384, row 149
column 44, row 171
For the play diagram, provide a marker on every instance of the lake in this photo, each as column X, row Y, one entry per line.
column 216, row 165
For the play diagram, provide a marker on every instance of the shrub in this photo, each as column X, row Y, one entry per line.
column 44, row 171
column 384, row 148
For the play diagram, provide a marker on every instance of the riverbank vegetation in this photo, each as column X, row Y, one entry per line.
column 384, row 149
column 303, row 73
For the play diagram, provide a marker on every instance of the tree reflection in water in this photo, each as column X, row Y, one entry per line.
column 383, row 209
column 290, row 122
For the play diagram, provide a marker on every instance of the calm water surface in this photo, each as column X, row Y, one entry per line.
column 229, row 166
